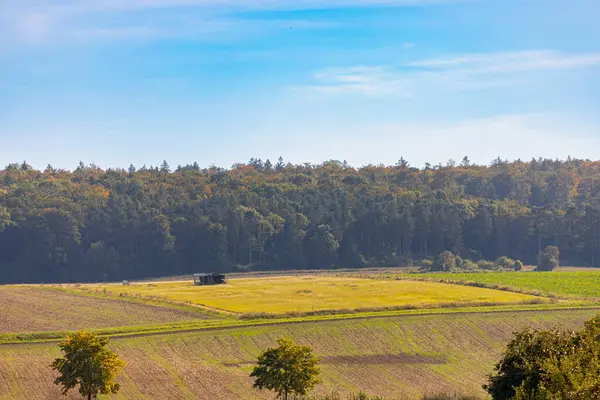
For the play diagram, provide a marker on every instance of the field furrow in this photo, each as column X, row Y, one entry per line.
column 35, row 309
column 398, row 357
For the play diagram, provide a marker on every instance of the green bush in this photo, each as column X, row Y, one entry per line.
column 518, row 265
column 469, row 265
column 425, row 264
column 549, row 259
column 487, row 265
column 505, row 262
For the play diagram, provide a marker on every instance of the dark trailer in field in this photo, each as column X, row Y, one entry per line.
column 209, row 279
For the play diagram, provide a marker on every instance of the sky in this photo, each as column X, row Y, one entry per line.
column 115, row 82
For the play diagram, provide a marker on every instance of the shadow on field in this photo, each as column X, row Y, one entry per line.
column 384, row 359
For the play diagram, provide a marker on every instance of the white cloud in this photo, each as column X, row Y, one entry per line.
column 461, row 72
column 512, row 62
column 376, row 80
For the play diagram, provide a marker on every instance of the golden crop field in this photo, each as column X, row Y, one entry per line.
column 288, row 294
column 398, row 357
column 35, row 309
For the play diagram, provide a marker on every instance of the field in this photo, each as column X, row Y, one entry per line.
column 389, row 334
column 290, row 294
column 576, row 284
column 399, row 357
column 34, row 309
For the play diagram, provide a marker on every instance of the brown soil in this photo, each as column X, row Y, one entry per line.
column 28, row 309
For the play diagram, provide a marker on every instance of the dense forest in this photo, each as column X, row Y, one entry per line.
column 92, row 224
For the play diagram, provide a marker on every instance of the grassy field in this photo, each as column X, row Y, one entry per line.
column 399, row 357
column 35, row 309
column 577, row 284
column 289, row 294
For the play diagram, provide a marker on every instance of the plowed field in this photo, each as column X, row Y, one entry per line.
column 399, row 357
column 34, row 309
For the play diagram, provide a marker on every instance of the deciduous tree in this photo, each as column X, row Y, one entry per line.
column 87, row 363
column 549, row 259
column 287, row 369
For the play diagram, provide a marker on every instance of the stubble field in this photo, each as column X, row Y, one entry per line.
column 399, row 357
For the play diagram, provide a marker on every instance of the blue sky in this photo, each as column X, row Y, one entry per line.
column 368, row 81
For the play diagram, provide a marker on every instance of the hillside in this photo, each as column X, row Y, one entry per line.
column 397, row 357
column 97, row 225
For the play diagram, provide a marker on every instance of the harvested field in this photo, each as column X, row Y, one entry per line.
column 278, row 295
column 399, row 357
column 35, row 309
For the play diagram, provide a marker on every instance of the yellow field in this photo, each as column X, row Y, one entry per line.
column 287, row 294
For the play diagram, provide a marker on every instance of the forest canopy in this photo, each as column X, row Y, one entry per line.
column 91, row 224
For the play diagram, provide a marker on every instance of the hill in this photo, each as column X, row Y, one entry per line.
column 399, row 357
column 97, row 225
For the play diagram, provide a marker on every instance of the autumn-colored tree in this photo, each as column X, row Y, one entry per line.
column 88, row 363
column 288, row 369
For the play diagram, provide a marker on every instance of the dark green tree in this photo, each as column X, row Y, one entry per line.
column 549, row 365
column 549, row 259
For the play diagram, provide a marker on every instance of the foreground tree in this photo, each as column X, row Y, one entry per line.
column 288, row 369
column 87, row 363
column 549, row 259
column 550, row 365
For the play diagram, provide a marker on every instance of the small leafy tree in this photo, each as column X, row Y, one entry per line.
column 288, row 369
column 549, row 259
column 446, row 261
column 87, row 363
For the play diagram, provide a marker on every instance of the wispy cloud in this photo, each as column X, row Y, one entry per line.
column 37, row 21
column 458, row 72
column 376, row 80
column 513, row 61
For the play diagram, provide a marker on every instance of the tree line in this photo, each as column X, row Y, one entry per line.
column 92, row 224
